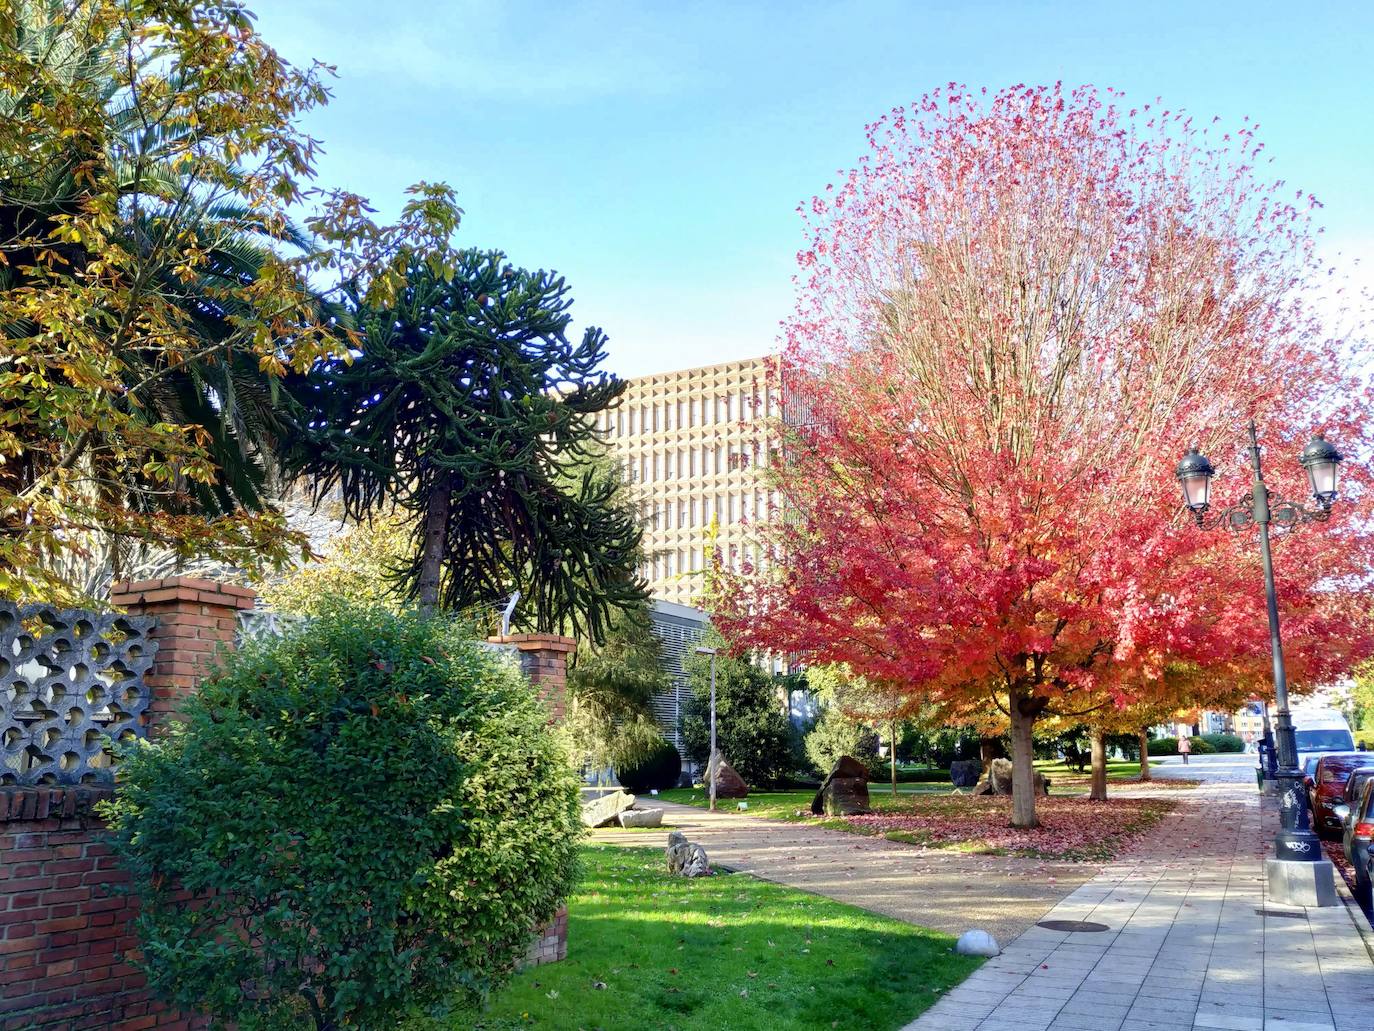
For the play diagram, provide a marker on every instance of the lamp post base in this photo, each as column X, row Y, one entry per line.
column 1301, row 882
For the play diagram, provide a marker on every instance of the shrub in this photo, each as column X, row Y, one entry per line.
column 362, row 815
column 1224, row 742
column 926, row 776
column 834, row 735
column 660, row 769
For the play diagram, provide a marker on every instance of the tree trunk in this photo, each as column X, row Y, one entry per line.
column 1022, row 762
column 892, row 750
column 1098, row 737
column 435, row 535
column 1144, row 755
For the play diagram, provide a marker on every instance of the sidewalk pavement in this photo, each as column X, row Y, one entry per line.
column 1191, row 941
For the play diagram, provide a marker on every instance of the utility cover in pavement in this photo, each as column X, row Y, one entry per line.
column 1072, row 925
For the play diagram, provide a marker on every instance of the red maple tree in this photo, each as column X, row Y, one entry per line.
column 1014, row 316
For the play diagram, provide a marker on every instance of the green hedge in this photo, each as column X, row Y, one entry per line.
column 1169, row 745
column 921, row 776
column 660, row 769
column 1225, row 742
column 364, row 814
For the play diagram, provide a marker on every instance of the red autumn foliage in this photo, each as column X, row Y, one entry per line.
column 1014, row 316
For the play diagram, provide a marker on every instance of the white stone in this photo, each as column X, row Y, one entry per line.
column 604, row 810
column 641, row 818
column 977, row 943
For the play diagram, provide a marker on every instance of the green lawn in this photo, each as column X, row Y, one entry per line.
column 1117, row 769
column 646, row 950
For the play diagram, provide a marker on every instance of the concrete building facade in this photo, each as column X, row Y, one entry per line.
column 693, row 444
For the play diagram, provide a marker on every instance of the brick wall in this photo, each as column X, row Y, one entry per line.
column 64, row 936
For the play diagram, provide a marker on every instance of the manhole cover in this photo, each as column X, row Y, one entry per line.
column 1072, row 925
column 1275, row 912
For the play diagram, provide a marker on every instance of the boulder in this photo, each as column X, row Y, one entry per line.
column 601, row 811
column 977, row 943
column 640, row 817
column 845, row 791
column 964, row 773
column 729, row 784
column 685, row 858
column 997, row 781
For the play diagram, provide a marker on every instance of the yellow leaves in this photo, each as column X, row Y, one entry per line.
column 272, row 365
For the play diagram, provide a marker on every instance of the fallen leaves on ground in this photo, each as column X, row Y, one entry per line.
column 1070, row 828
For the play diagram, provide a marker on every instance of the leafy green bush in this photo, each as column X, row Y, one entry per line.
column 660, row 769
column 1224, row 742
column 362, row 815
column 1169, row 746
column 834, row 735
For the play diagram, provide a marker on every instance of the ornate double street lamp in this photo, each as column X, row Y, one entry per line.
column 1299, row 875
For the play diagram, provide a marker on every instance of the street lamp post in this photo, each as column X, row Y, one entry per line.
column 711, row 762
column 1299, row 874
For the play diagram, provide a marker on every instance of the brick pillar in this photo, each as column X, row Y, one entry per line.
column 544, row 659
column 196, row 619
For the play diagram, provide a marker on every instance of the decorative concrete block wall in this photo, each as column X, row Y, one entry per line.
column 64, row 936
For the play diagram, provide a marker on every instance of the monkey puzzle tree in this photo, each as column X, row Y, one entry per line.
column 470, row 409
column 1013, row 317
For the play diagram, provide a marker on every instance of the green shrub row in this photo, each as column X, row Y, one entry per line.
column 1225, row 742
column 1169, row 745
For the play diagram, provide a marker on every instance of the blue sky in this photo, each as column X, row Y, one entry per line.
column 655, row 153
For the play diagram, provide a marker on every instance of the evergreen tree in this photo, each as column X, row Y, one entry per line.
column 469, row 409
column 752, row 731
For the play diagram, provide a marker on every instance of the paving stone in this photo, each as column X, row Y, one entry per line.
column 1188, row 949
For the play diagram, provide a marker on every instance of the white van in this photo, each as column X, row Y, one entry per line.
column 1320, row 731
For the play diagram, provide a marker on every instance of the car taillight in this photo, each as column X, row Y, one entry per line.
column 1364, row 829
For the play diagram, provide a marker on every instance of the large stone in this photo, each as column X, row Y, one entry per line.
column 964, row 773
column 640, row 817
column 685, row 858
column 997, row 781
column 601, row 811
column 977, row 943
column 845, row 791
column 729, row 784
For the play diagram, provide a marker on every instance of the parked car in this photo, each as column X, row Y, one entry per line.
column 1328, row 790
column 1368, row 877
column 1309, row 772
column 1358, row 816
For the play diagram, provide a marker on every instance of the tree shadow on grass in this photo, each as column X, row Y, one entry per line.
column 729, row 951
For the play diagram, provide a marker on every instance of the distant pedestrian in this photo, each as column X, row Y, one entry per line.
column 1185, row 747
